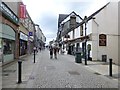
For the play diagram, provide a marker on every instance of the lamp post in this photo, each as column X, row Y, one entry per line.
column 85, row 20
column 35, row 46
column 34, row 42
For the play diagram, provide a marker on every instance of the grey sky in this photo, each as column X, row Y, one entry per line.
column 46, row 12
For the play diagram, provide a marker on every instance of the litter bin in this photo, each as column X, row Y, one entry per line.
column 78, row 57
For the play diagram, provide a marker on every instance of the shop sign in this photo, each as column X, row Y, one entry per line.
column 22, row 11
column 8, row 13
column 102, row 40
column 30, row 33
column 23, row 36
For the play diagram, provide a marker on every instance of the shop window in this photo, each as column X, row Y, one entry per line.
column 81, row 30
column 23, row 47
column 7, row 46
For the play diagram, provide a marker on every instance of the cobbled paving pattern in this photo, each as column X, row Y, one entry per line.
column 64, row 73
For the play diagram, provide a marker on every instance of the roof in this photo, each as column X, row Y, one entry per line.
column 86, row 20
column 61, row 18
column 92, row 15
column 64, row 16
column 75, row 14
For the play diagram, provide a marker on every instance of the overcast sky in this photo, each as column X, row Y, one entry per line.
column 46, row 12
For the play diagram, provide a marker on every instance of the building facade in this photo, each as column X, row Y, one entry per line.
column 25, row 30
column 119, row 33
column 17, row 32
column 67, row 28
column 41, row 39
column 8, row 34
column 98, row 32
column 104, row 29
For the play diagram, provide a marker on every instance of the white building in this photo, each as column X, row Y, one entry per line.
column 67, row 26
column 40, row 38
column 102, row 34
column 106, row 23
column 119, row 33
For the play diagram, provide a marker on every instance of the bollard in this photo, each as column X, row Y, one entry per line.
column 110, row 67
column 34, row 56
column 19, row 71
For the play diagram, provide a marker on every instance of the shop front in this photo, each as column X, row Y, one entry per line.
column 30, row 45
column 23, row 44
column 7, row 43
column 8, row 34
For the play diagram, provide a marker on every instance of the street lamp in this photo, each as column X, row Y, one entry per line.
column 34, row 43
column 85, row 20
column 34, row 40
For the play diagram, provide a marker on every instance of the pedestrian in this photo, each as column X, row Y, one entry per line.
column 51, row 52
column 40, row 49
column 36, row 50
column 58, row 50
column 55, row 52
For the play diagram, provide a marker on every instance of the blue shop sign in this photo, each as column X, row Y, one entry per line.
column 30, row 33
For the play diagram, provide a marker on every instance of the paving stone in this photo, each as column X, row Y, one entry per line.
column 60, row 73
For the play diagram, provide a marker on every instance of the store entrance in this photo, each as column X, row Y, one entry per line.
column 23, row 47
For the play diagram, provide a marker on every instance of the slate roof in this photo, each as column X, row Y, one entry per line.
column 61, row 18
column 87, row 19
column 64, row 16
column 92, row 15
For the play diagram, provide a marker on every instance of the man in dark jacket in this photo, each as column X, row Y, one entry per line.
column 51, row 52
column 55, row 52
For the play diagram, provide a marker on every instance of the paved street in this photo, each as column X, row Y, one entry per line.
column 52, row 73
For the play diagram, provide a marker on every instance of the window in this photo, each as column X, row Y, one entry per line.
column 81, row 30
column 7, row 46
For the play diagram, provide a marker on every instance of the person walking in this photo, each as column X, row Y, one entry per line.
column 55, row 52
column 51, row 52
column 40, row 49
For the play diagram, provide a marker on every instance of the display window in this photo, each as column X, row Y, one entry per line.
column 23, row 47
column 8, row 46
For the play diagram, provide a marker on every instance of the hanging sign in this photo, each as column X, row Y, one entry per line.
column 102, row 40
column 22, row 11
column 30, row 33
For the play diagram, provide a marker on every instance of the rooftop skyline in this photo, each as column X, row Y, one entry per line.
column 46, row 13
